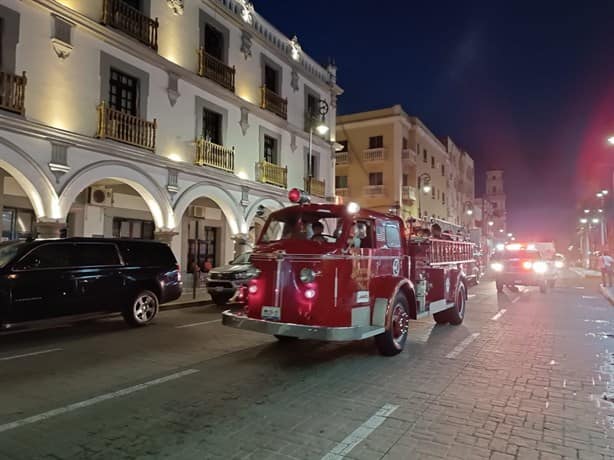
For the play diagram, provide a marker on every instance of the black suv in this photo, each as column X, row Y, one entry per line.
column 44, row 279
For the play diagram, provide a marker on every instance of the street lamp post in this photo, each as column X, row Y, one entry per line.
column 602, row 197
column 322, row 129
column 424, row 184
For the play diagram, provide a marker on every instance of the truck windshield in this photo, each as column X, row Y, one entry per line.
column 526, row 255
column 8, row 250
column 312, row 226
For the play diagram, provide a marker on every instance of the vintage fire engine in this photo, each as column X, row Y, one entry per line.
column 337, row 273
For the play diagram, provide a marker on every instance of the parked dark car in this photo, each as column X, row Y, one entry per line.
column 44, row 279
column 226, row 281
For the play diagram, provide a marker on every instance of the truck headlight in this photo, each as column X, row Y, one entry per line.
column 497, row 266
column 540, row 267
column 559, row 264
column 307, row 275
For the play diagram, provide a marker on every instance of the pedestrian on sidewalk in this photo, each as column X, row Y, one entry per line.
column 606, row 265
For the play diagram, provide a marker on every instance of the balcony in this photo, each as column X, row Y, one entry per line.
column 120, row 15
column 270, row 173
column 126, row 128
column 216, row 156
column 315, row 186
column 344, row 192
column 409, row 155
column 374, row 154
column 273, row 102
column 342, row 158
column 13, row 92
column 409, row 193
column 374, row 190
column 212, row 68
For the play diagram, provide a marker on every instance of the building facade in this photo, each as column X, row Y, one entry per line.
column 495, row 195
column 392, row 161
column 376, row 164
column 185, row 121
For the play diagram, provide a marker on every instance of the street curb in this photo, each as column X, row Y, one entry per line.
column 189, row 304
column 607, row 294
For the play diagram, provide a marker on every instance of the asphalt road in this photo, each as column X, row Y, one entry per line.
column 527, row 375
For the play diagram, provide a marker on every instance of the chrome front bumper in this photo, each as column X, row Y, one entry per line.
column 301, row 331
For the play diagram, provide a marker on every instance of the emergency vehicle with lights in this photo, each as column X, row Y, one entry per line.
column 523, row 264
column 337, row 273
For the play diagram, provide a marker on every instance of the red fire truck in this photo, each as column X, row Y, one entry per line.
column 337, row 273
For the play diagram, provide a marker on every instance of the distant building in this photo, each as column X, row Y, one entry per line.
column 388, row 157
column 495, row 194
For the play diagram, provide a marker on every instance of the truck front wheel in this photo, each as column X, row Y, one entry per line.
column 392, row 341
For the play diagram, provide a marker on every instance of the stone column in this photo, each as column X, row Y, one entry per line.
column 166, row 236
column 242, row 245
column 49, row 228
column 1, row 200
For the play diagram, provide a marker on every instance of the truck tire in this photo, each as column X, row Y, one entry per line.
column 392, row 341
column 220, row 299
column 499, row 286
column 142, row 309
column 456, row 314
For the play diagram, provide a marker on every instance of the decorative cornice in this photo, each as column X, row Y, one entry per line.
column 19, row 125
column 146, row 54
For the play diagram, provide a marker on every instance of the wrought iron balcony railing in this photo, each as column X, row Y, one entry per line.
column 131, row 21
column 270, row 173
column 126, row 128
column 342, row 158
column 13, row 92
column 315, row 186
column 212, row 68
column 216, row 156
column 409, row 192
column 273, row 102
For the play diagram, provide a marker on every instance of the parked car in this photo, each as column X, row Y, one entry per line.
column 44, row 279
column 224, row 282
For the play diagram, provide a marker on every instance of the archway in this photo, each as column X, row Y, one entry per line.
column 152, row 194
column 257, row 214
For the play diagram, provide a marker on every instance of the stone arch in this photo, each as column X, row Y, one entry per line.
column 154, row 196
column 31, row 178
column 221, row 197
column 268, row 202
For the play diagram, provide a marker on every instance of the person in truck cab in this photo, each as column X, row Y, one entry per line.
column 318, row 228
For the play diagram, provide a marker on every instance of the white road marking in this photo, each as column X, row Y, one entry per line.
column 461, row 346
column 360, row 434
column 579, row 287
column 198, row 324
column 92, row 401
column 34, row 353
column 499, row 314
column 590, row 297
column 515, row 300
column 471, row 296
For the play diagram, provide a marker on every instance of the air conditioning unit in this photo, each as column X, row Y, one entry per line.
column 100, row 196
column 197, row 211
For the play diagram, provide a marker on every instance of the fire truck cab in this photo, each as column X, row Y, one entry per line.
column 337, row 273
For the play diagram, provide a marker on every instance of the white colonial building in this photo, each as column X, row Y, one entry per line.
column 185, row 121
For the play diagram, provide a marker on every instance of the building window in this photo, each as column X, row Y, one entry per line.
column 405, row 180
column 214, row 42
column 433, row 193
column 443, row 170
column 405, row 143
column 443, row 198
column 376, row 142
column 17, row 224
column 123, row 92
column 344, row 146
column 312, row 106
column 433, row 162
column 341, row 181
column 376, row 178
column 494, row 189
column 133, row 229
column 311, row 165
column 425, row 156
column 438, row 194
column 136, row 4
column 271, row 79
column 270, row 149
column 212, row 126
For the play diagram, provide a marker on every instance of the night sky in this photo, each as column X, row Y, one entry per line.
column 527, row 87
